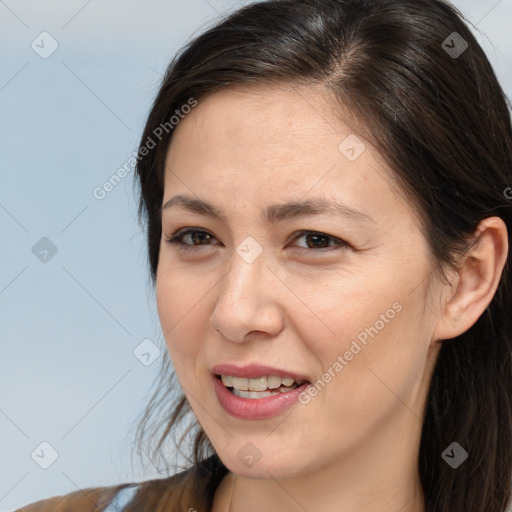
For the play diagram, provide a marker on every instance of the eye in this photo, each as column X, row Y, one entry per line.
column 196, row 235
column 317, row 239
column 189, row 239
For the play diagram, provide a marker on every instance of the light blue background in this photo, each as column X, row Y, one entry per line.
column 68, row 375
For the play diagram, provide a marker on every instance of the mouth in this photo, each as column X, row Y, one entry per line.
column 259, row 387
column 256, row 391
column 248, row 404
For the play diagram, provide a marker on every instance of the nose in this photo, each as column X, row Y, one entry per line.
column 247, row 304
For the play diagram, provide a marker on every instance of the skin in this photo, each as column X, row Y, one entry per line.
column 354, row 447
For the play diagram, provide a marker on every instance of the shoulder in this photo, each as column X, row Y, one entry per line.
column 115, row 498
column 151, row 495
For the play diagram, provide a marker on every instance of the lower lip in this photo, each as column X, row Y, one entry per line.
column 256, row 408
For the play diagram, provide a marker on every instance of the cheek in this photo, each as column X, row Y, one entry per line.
column 179, row 306
column 360, row 333
column 341, row 309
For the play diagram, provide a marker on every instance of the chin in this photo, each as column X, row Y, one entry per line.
column 265, row 468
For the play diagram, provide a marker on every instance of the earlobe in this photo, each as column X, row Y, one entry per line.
column 476, row 281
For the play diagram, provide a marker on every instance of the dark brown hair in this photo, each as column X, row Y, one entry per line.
column 442, row 122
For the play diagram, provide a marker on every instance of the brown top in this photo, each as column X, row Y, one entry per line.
column 191, row 490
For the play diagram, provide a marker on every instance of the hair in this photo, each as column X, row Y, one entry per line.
column 442, row 123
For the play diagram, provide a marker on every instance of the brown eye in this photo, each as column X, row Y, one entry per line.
column 317, row 240
column 190, row 238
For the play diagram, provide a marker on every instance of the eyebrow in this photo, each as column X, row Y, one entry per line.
column 274, row 212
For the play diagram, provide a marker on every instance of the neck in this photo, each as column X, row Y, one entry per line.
column 381, row 476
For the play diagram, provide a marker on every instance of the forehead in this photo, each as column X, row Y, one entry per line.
column 276, row 118
column 274, row 143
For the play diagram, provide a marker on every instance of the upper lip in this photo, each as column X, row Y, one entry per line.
column 253, row 371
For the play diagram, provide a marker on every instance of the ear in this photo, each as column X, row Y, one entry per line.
column 475, row 284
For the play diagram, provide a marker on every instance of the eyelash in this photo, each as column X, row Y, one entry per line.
column 177, row 239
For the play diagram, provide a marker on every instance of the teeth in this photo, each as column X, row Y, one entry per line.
column 260, row 384
column 274, row 382
column 261, row 394
column 227, row 380
column 241, row 383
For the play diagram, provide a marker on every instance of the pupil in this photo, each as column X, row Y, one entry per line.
column 316, row 237
column 197, row 235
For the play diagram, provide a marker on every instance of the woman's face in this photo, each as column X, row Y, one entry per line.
column 342, row 306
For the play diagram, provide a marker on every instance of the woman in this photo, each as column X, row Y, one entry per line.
column 326, row 190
